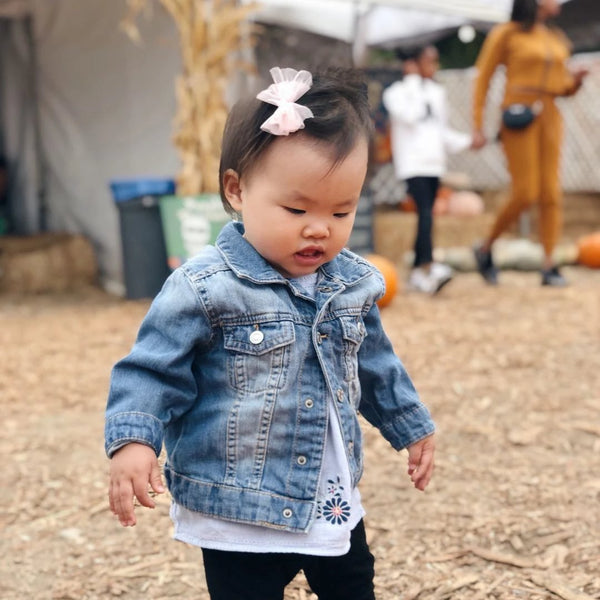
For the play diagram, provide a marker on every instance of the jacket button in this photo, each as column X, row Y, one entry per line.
column 350, row 446
column 309, row 403
column 301, row 460
column 256, row 337
column 287, row 513
column 340, row 395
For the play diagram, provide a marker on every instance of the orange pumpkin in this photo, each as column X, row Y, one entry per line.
column 588, row 250
column 408, row 204
column 465, row 204
column 390, row 275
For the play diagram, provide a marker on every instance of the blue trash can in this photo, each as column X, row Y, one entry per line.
column 142, row 240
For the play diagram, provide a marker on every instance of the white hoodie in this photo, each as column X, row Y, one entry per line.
column 421, row 138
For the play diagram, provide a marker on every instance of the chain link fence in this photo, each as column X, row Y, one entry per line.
column 580, row 170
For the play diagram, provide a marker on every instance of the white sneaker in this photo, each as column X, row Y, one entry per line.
column 430, row 282
column 421, row 281
column 441, row 274
column 441, row 271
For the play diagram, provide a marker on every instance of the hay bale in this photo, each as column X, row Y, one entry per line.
column 49, row 262
column 394, row 231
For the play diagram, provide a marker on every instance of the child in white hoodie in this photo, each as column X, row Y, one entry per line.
column 421, row 140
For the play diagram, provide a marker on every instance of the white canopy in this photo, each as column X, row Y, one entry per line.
column 379, row 21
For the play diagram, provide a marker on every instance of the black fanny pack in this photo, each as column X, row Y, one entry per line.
column 519, row 116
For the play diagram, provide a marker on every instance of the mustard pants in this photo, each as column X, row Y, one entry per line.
column 533, row 160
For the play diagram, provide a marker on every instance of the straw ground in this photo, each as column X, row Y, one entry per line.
column 512, row 376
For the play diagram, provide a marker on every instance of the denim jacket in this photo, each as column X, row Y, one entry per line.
column 233, row 369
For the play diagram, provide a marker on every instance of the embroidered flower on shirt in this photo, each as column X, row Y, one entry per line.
column 334, row 487
column 336, row 510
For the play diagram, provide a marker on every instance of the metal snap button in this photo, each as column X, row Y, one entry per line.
column 309, row 403
column 340, row 395
column 301, row 460
column 256, row 337
column 287, row 513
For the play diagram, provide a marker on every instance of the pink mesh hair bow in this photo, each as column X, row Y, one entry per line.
column 288, row 87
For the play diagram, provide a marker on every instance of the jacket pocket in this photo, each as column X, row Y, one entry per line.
column 258, row 355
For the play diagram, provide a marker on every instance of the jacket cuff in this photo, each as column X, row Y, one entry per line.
column 409, row 428
column 125, row 428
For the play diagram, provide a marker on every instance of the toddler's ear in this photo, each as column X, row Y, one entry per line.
column 232, row 189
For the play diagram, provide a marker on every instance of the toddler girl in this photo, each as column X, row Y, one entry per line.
column 256, row 357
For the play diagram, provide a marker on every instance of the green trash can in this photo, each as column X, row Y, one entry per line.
column 143, row 244
column 190, row 223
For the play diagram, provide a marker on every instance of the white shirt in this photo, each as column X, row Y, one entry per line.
column 339, row 507
column 420, row 135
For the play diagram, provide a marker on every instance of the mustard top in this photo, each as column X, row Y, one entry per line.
column 535, row 62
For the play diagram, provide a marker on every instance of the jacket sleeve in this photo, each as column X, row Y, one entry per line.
column 455, row 141
column 154, row 384
column 491, row 55
column 389, row 400
column 404, row 100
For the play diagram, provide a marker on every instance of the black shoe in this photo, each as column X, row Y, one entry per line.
column 485, row 265
column 553, row 278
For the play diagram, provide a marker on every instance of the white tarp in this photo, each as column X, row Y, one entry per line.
column 380, row 21
column 105, row 110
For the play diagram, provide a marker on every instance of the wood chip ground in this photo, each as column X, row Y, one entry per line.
column 511, row 374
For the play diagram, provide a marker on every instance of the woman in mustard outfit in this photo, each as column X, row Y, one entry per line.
column 535, row 58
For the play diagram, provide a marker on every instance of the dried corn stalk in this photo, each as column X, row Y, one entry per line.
column 211, row 33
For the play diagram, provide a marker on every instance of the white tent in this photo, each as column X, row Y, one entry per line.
column 380, row 21
column 366, row 23
column 80, row 104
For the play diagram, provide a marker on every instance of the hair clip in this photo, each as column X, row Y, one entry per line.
column 288, row 87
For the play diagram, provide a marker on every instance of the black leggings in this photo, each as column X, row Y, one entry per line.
column 423, row 191
column 264, row 576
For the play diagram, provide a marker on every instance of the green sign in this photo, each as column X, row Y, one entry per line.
column 190, row 223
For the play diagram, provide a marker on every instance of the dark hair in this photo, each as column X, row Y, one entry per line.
column 413, row 52
column 524, row 12
column 339, row 102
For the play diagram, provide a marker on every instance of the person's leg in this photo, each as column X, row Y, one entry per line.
column 522, row 152
column 423, row 193
column 248, row 575
column 551, row 192
column 434, row 186
column 347, row 576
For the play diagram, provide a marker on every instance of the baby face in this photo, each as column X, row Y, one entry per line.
column 298, row 207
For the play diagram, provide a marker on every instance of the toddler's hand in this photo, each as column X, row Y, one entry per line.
column 131, row 469
column 420, row 462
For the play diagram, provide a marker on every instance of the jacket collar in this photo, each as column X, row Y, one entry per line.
column 346, row 268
